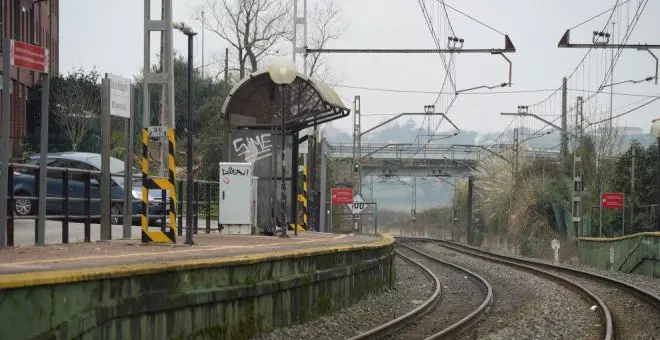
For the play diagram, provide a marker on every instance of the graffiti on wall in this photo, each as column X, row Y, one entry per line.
column 255, row 148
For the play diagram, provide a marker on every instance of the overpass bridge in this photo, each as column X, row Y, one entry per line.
column 393, row 159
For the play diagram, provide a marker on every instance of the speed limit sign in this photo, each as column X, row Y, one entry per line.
column 358, row 204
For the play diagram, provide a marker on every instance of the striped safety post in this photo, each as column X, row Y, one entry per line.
column 167, row 236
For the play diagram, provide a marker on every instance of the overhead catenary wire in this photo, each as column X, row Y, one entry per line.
column 444, row 4
column 366, row 88
column 600, row 14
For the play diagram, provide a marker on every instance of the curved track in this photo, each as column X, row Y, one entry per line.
column 633, row 310
column 390, row 328
column 587, row 294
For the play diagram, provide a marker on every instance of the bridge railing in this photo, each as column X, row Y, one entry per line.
column 369, row 150
column 458, row 153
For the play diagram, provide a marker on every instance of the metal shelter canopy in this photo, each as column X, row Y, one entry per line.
column 253, row 103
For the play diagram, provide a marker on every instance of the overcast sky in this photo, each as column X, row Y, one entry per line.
column 108, row 35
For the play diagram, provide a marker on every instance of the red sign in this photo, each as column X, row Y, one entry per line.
column 29, row 56
column 611, row 200
column 342, row 195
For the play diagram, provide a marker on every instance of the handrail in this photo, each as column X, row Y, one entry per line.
column 204, row 196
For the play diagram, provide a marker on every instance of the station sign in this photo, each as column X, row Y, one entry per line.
column 611, row 200
column 342, row 196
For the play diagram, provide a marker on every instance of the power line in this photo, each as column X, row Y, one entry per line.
column 624, row 113
column 479, row 93
column 599, row 14
column 469, row 17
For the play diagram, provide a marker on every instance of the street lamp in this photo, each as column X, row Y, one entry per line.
column 655, row 132
column 187, row 30
column 283, row 72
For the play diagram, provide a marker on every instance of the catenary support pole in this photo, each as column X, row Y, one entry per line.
column 189, row 174
column 469, row 209
column 564, row 113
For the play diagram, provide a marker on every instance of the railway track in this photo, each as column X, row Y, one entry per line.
column 633, row 312
column 404, row 326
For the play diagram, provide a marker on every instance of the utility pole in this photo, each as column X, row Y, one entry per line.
column 167, row 93
column 576, row 206
column 357, row 173
column 469, row 209
column 203, row 29
column 413, row 212
column 612, row 81
column 632, row 189
column 516, row 154
column 226, row 65
column 564, row 110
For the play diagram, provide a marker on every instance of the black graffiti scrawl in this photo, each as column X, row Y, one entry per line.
column 238, row 172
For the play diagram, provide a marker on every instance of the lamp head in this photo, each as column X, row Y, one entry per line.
column 282, row 71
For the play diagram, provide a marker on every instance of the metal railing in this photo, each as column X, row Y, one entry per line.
column 204, row 199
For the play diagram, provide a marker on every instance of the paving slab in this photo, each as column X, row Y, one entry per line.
column 51, row 258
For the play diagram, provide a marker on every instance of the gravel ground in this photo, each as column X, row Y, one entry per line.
column 412, row 289
column 525, row 306
column 633, row 318
column 461, row 294
column 647, row 283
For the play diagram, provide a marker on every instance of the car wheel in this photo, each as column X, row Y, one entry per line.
column 115, row 210
column 22, row 206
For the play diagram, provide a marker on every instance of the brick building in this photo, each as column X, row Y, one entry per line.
column 36, row 22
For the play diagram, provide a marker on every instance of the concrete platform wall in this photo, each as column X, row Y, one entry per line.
column 211, row 299
column 638, row 253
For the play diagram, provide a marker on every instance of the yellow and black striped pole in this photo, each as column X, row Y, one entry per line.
column 303, row 198
column 168, row 236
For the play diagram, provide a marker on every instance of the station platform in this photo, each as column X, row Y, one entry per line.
column 29, row 265
column 225, row 286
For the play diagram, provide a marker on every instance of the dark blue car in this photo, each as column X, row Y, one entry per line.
column 24, row 185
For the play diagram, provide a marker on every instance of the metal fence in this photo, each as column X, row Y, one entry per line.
column 205, row 197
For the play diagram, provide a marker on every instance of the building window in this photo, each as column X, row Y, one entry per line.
column 31, row 30
column 17, row 19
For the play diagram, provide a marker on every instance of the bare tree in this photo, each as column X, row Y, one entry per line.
column 326, row 25
column 76, row 104
column 252, row 27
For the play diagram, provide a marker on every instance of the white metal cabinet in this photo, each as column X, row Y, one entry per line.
column 235, row 205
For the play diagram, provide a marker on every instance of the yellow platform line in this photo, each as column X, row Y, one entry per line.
column 199, row 248
column 31, row 279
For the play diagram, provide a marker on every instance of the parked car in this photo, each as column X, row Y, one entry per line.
column 24, row 185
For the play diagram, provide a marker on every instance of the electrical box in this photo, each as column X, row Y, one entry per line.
column 236, row 188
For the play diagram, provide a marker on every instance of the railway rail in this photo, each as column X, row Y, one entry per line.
column 397, row 326
column 632, row 311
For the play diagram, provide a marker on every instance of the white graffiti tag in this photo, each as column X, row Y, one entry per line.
column 254, row 148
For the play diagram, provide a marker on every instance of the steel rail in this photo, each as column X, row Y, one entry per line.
column 529, row 266
column 393, row 325
column 653, row 299
column 483, row 308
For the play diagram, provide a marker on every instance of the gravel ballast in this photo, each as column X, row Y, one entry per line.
column 647, row 283
column 461, row 295
column 525, row 306
column 633, row 317
column 413, row 287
